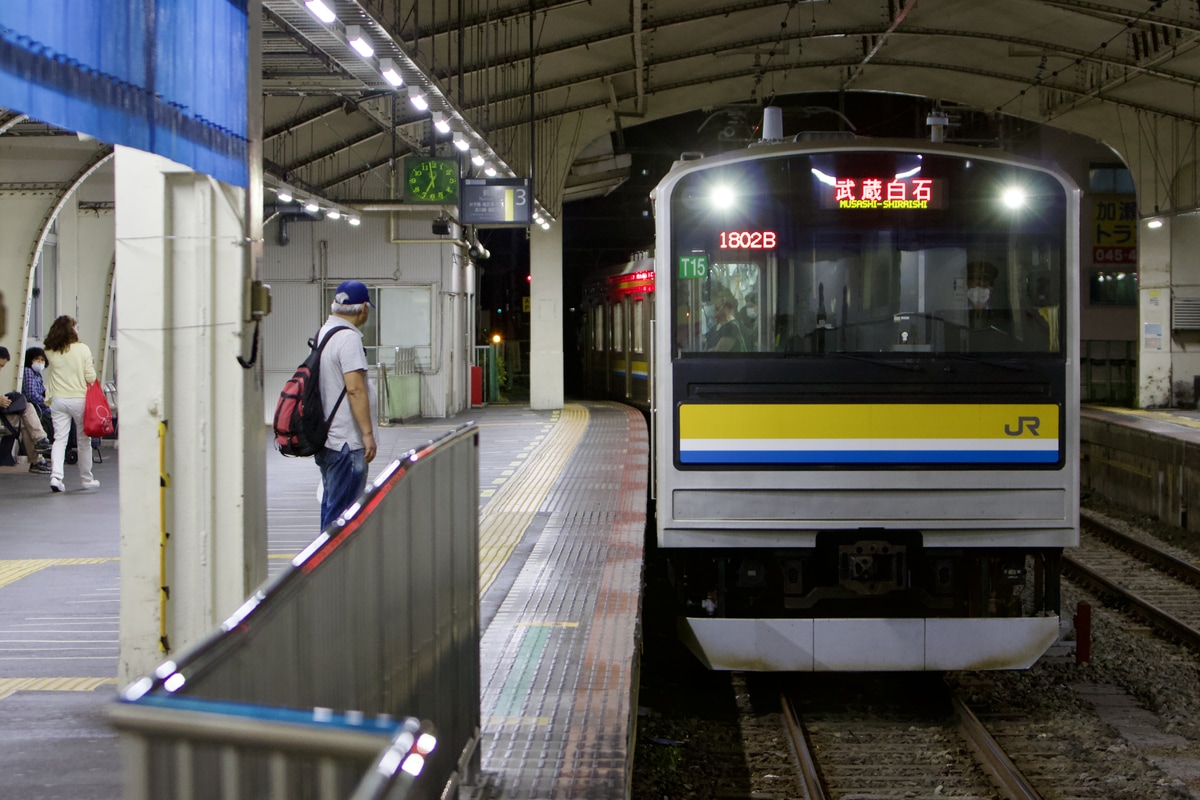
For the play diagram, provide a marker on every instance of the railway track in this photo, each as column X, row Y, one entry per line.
column 1157, row 586
column 916, row 740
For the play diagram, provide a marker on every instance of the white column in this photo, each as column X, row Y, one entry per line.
column 546, row 317
column 182, row 267
column 1154, row 287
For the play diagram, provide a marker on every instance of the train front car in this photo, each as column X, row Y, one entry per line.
column 866, row 405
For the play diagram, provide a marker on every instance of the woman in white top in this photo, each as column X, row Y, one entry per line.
column 70, row 372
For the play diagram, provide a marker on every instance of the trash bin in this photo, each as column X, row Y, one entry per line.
column 476, row 386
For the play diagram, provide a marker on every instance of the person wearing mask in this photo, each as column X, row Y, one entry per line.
column 70, row 372
column 27, row 421
column 350, row 445
column 747, row 319
column 981, row 280
column 726, row 336
column 32, row 385
column 989, row 323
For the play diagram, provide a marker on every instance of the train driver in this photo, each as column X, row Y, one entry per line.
column 990, row 325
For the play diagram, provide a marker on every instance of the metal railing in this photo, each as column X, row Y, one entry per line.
column 313, row 688
column 377, row 386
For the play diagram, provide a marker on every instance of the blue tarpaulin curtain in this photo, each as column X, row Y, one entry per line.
column 164, row 76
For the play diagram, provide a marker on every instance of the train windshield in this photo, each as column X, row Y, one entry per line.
column 868, row 252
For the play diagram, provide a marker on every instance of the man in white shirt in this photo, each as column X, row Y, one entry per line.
column 350, row 445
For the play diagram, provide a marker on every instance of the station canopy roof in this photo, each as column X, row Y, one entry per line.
column 555, row 77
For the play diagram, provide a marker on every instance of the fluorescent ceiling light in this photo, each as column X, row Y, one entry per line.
column 387, row 68
column 359, row 42
column 353, row 220
column 284, row 196
column 490, row 171
column 417, row 99
column 333, row 213
column 311, row 207
column 461, row 142
column 477, row 158
column 320, row 11
column 439, row 122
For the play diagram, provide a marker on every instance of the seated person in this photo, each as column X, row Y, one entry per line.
column 32, row 385
column 33, row 436
column 726, row 335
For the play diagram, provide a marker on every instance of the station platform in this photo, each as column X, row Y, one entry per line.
column 562, row 517
column 1144, row 460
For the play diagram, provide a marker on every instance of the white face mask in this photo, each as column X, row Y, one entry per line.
column 979, row 295
column 38, row 366
column 751, row 313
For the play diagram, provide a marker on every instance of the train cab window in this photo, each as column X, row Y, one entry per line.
column 875, row 252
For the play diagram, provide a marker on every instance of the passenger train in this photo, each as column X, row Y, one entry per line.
column 860, row 362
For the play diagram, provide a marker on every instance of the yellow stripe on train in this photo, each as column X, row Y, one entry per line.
column 1006, row 421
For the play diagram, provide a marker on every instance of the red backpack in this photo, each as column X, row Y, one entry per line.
column 301, row 425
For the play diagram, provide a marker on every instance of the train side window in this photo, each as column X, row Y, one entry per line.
column 618, row 327
column 638, row 344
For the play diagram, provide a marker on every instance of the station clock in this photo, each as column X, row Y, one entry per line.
column 431, row 180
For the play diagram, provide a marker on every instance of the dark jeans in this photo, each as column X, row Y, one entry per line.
column 343, row 477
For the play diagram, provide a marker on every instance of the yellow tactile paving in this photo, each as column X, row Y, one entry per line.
column 508, row 514
column 10, row 685
column 14, row 570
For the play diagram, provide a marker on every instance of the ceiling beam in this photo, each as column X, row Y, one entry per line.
column 320, row 155
column 751, row 71
column 1121, row 15
column 879, row 42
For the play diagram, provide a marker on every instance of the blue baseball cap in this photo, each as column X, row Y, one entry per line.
column 352, row 293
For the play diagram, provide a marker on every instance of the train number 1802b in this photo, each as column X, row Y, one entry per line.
column 748, row 240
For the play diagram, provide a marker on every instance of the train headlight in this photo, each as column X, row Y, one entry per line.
column 721, row 197
column 1013, row 197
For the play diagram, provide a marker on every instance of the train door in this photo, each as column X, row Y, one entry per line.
column 600, row 325
column 639, row 310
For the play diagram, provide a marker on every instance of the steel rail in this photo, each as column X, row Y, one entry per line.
column 1007, row 777
column 1101, row 585
column 1164, row 562
column 1011, row 782
column 810, row 776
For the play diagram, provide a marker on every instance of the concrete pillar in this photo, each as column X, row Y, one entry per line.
column 1154, row 287
column 182, row 272
column 546, row 318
